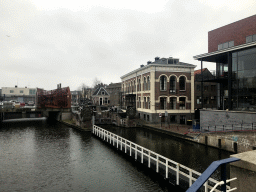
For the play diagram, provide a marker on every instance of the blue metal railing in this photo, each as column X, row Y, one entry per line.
column 209, row 171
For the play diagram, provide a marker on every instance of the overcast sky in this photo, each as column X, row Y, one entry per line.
column 46, row 42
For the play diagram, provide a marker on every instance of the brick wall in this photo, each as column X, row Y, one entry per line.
column 236, row 31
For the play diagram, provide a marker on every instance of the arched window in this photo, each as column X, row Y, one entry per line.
column 145, row 84
column 182, row 83
column 172, row 84
column 163, row 83
column 148, row 83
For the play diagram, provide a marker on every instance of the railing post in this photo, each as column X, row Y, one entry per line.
column 121, row 143
column 130, row 149
column 206, row 186
column 190, row 177
column 178, row 174
column 135, row 152
column 223, row 177
column 117, row 142
column 149, row 156
column 125, row 146
column 113, row 140
column 166, row 170
column 141, row 155
column 157, row 164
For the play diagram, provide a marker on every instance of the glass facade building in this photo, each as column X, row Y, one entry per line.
column 244, row 80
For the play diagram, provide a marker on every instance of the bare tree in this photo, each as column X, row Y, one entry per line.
column 96, row 83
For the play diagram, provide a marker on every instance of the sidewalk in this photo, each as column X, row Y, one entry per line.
column 175, row 128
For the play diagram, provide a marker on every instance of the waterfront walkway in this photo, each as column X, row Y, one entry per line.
column 175, row 128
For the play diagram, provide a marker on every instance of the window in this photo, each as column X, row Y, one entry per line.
column 32, row 91
column 198, row 100
column 145, row 84
column 21, row 91
column 172, row 84
column 148, row 103
column 162, row 102
column 182, row 102
column 213, row 87
column 162, row 83
column 182, row 83
column 139, row 86
column 198, row 88
column 102, row 93
column 173, row 102
column 11, row 91
column 173, row 118
column 206, row 88
column 106, row 100
column 226, row 45
column 148, row 83
column 147, row 117
column 139, row 102
column 144, row 104
column 134, row 85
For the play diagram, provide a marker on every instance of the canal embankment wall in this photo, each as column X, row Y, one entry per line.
column 245, row 171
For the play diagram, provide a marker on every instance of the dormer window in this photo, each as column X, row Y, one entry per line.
column 102, row 93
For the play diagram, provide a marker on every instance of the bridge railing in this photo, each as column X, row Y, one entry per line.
column 171, row 168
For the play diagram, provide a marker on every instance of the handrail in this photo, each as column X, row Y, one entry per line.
column 222, row 182
column 145, row 153
column 209, row 171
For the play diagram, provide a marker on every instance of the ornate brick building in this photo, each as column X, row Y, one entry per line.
column 164, row 86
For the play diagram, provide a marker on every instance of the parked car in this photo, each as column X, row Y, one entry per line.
column 22, row 104
column 31, row 103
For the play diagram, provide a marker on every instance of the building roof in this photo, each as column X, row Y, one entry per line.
column 163, row 62
column 197, row 72
column 214, row 56
column 97, row 91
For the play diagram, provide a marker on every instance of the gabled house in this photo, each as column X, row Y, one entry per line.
column 101, row 96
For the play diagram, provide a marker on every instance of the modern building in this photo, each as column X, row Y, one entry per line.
column 164, row 88
column 209, row 89
column 232, row 48
column 19, row 94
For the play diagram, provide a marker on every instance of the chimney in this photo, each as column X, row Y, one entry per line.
column 149, row 62
column 157, row 58
column 141, row 66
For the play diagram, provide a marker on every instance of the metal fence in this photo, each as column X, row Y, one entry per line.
column 230, row 127
column 170, row 169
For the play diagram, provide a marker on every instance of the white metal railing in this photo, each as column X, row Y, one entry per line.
column 222, row 182
column 178, row 168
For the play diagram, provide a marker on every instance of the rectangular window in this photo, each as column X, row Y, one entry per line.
column 198, row 100
column 254, row 37
column 173, row 102
column 220, row 47
column 198, row 88
column 11, row 91
column 144, row 104
column 148, row 103
column 106, row 100
column 249, row 39
column 32, row 91
column 230, row 43
column 225, row 45
column 21, row 91
column 173, row 118
column 213, row 87
column 182, row 102
column 163, row 103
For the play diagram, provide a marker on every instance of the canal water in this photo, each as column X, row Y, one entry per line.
column 36, row 156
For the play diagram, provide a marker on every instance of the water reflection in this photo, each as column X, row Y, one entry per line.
column 43, row 157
